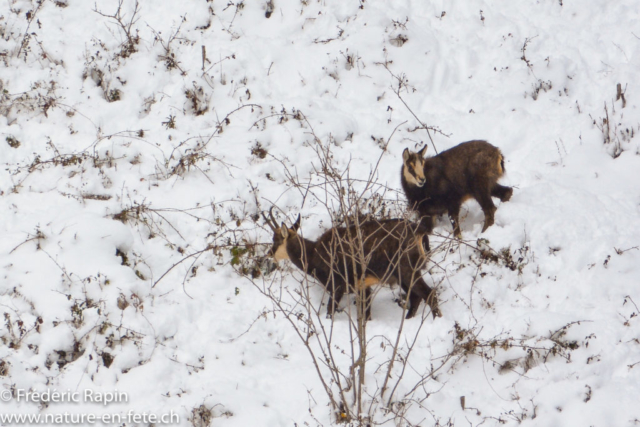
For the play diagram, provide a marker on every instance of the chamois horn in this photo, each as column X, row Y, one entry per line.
column 271, row 221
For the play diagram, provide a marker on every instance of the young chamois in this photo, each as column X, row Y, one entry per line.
column 441, row 183
column 353, row 259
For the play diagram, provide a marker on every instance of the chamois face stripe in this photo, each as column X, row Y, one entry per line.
column 281, row 252
column 411, row 179
column 413, row 170
column 280, row 238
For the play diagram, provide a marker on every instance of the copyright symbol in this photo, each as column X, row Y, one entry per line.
column 6, row 395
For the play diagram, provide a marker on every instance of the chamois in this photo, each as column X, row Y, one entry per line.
column 353, row 259
column 441, row 183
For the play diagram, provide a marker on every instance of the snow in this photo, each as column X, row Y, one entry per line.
column 100, row 199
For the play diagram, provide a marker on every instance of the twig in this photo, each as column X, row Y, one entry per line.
column 225, row 120
column 129, row 46
column 260, row 316
column 215, row 63
column 180, row 262
column 524, row 52
column 620, row 251
column 397, row 92
column 38, row 236
column 627, row 297
column 30, row 17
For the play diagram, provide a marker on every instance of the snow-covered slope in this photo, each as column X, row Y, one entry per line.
column 143, row 141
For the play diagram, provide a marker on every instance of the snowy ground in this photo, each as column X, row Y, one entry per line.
column 126, row 148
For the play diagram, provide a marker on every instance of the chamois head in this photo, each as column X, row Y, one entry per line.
column 413, row 166
column 281, row 234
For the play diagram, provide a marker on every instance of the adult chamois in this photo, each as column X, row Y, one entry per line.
column 441, row 183
column 351, row 259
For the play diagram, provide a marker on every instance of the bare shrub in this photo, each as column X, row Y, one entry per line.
column 126, row 26
column 39, row 99
column 399, row 40
column 540, row 85
column 201, row 416
column 343, row 352
column 198, row 101
column 343, row 364
column 12, row 141
column 169, row 56
column 615, row 134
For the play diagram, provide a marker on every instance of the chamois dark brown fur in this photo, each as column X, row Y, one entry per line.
column 440, row 184
column 350, row 259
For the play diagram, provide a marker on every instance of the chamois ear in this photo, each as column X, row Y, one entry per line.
column 296, row 224
column 284, row 231
column 421, row 152
column 405, row 155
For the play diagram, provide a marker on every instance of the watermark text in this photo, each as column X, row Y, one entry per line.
column 67, row 418
column 56, row 396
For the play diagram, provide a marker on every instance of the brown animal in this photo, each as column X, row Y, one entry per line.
column 441, row 183
column 353, row 259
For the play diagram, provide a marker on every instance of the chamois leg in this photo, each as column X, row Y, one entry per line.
column 422, row 292
column 417, row 291
column 432, row 300
column 501, row 192
column 428, row 221
column 412, row 298
column 454, row 214
column 414, row 304
column 367, row 304
column 334, row 300
column 487, row 207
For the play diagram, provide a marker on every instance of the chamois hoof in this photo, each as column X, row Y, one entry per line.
column 432, row 301
column 507, row 195
column 489, row 220
column 337, row 310
column 435, row 312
